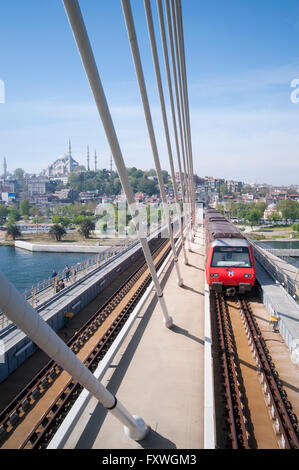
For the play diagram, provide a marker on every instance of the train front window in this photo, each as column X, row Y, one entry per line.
column 227, row 257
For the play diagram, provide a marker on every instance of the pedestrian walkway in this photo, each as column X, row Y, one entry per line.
column 279, row 303
column 287, row 369
column 158, row 373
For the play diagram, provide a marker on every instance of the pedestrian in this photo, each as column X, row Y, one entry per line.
column 67, row 272
column 61, row 285
column 54, row 274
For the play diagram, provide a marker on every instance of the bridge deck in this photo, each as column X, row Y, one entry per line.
column 158, row 373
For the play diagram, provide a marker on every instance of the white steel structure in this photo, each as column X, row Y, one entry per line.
column 163, row 108
column 140, row 77
column 20, row 312
column 179, row 104
column 81, row 37
column 177, row 12
column 167, row 66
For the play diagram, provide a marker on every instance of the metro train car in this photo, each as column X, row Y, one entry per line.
column 230, row 264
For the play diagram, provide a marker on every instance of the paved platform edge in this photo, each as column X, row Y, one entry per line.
column 209, row 408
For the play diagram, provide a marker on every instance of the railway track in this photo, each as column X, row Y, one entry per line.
column 32, row 418
column 252, row 409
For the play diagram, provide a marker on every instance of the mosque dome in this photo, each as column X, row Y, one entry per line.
column 62, row 166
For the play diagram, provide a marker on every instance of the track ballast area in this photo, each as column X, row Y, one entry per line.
column 252, row 408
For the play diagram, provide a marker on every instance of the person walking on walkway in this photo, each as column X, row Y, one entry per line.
column 67, row 273
column 54, row 273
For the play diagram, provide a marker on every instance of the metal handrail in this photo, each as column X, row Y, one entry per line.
column 87, row 266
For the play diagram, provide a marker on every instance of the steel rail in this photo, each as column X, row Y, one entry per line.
column 285, row 422
column 236, row 417
column 230, row 409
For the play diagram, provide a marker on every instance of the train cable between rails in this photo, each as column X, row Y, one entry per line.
column 32, row 418
column 240, row 402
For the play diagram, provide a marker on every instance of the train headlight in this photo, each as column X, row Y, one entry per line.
column 248, row 276
column 214, row 275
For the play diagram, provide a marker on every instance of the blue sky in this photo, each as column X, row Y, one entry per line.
column 241, row 58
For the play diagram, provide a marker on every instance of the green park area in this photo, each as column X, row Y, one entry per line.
column 74, row 223
column 280, row 223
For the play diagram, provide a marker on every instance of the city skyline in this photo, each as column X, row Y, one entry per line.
column 240, row 70
column 5, row 171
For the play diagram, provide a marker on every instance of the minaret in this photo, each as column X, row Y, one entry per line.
column 70, row 157
column 88, row 158
column 95, row 161
column 4, row 168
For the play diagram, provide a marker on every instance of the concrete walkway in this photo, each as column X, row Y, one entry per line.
column 158, row 373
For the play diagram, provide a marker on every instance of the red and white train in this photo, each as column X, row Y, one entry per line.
column 230, row 264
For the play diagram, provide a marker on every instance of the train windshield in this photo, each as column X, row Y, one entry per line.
column 227, row 257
